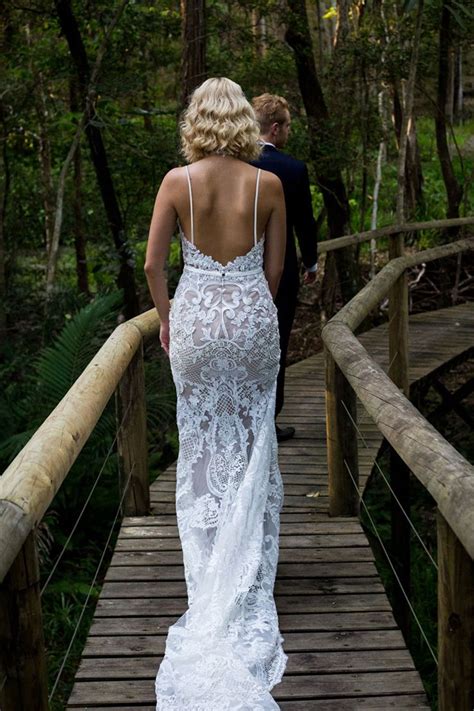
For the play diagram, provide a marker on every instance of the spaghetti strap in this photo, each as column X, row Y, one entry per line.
column 190, row 204
column 255, row 209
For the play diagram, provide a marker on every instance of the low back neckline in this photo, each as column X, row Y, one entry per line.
column 215, row 261
column 192, row 242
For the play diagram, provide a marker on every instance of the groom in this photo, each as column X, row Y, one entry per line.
column 274, row 118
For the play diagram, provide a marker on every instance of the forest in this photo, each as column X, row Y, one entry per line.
column 382, row 106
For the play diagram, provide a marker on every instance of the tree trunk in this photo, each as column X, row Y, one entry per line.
column 194, row 46
column 79, row 230
column 381, row 157
column 44, row 144
column 320, row 35
column 454, row 191
column 342, row 23
column 126, row 279
column 449, row 109
column 146, row 91
column 323, row 144
column 413, row 172
column 5, row 186
column 413, row 197
column 458, row 87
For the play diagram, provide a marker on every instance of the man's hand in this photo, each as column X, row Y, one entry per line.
column 309, row 277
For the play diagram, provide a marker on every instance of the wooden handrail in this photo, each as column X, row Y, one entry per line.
column 368, row 298
column 416, row 446
column 441, row 469
column 31, row 481
column 359, row 237
column 29, row 484
column 444, row 472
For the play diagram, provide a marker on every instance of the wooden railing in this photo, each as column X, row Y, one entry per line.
column 29, row 484
column 417, row 447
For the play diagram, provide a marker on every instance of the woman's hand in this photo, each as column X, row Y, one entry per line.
column 165, row 337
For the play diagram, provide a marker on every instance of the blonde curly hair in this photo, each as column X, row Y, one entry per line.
column 219, row 120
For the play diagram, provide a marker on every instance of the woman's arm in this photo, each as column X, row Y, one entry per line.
column 275, row 235
column 162, row 226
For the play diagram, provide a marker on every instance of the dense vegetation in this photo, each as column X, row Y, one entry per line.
column 89, row 112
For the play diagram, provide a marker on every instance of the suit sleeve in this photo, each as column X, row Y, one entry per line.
column 305, row 224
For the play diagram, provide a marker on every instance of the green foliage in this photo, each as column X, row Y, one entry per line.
column 138, row 89
column 61, row 364
column 56, row 369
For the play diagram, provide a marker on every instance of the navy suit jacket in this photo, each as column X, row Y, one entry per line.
column 293, row 174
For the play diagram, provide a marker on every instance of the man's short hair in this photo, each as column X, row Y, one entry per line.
column 269, row 109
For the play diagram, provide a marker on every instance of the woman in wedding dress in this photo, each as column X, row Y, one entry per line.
column 221, row 334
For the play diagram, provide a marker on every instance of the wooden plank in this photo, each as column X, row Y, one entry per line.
column 301, row 555
column 333, row 622
column 293, row 517
column 375, row 703
column 291, row 687
column 350, row 684
column 173, row 544
column 348, row 527
column 305, row 586
column 146, row 666
column 292, row 571
column 286, row 604
column 352, row 641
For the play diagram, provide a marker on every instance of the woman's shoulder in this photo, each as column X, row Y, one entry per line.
column 174, row 180
column 175, row 174
column 270, row 181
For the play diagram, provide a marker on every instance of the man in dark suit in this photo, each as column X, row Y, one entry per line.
column 274, row 117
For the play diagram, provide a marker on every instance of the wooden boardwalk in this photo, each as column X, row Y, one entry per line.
column 345, row 650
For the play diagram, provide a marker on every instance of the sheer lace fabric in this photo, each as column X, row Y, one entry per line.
column 225, row 652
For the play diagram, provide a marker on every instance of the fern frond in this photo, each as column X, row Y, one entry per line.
column 61, row 364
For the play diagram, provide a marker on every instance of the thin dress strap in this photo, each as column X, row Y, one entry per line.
column 190, row 204
column 255, row 209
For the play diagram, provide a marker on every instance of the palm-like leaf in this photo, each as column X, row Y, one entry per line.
column 61, row 364
column 56, row 369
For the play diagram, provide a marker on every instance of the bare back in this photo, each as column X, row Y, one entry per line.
column 223, row 200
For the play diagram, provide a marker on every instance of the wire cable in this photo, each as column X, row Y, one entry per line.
column 392, row 491
column 58, row 676
column 63, row 550
column 392, row 566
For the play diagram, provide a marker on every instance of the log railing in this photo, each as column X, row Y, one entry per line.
column 449, row 478
column 29, row 484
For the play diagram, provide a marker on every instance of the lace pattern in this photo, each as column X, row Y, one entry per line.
column 193, row 257
column 225, row 653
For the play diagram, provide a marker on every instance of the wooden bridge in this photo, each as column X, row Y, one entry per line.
column 345, row 649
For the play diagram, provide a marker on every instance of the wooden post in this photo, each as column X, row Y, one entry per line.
column 341, row 442
column 22, row 653
column 398, row 323
column 132, row 438
column 455, row 622
column 399, row 472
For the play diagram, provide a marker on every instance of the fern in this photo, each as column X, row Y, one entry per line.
column 59, row 366
column 56, row 369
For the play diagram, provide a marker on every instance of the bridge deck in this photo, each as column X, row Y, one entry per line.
column 345, row 650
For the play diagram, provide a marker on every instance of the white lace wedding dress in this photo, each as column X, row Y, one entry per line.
column 225, row 652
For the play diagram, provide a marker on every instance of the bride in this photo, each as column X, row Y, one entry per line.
column 221, row 335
